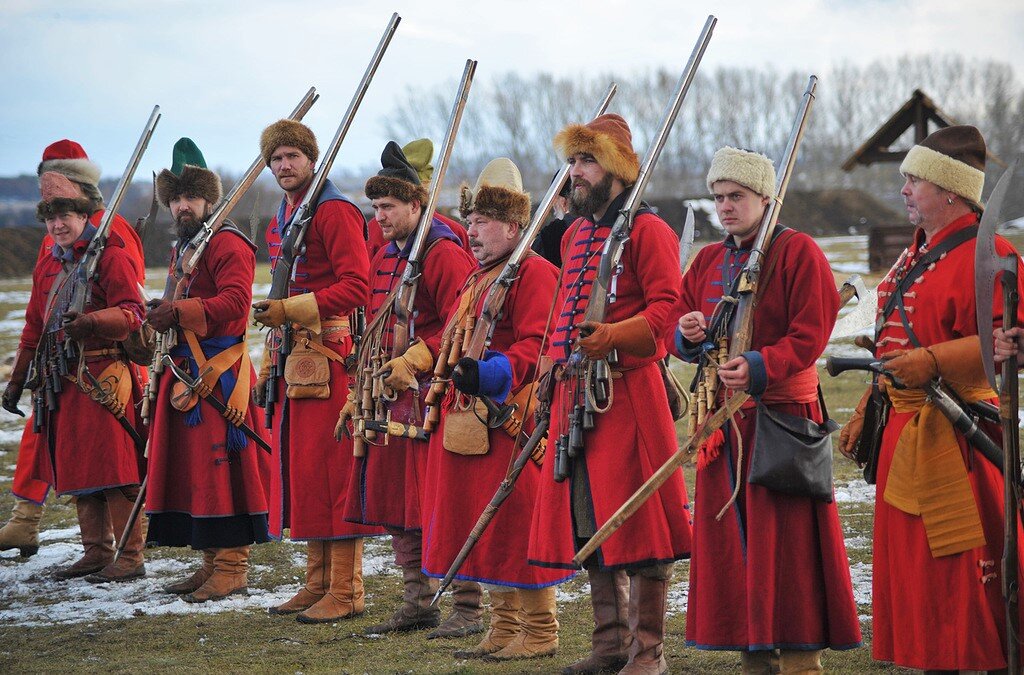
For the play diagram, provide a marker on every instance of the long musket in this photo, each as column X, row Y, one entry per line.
column 191, row 253
column 294, row 232
column 1005, row 203
column 403, row 304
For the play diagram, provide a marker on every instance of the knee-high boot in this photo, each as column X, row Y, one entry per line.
column 344, row 597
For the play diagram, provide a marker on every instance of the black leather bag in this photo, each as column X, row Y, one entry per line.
column 876, row 416
column 793, row 455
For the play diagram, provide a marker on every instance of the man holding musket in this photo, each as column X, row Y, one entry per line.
column 329, row 281
column 630, row 573
column 938, row 540
column 769, row 571
column 208, row 483
column 100, row 468
column 388, row 483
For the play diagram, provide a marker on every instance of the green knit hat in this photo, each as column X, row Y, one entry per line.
column 188, row 175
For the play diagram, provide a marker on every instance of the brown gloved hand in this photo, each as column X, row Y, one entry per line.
column 162, row 316
column 16, row 385
column 300, row 309
column 849, row 435
column 346, row 413
column 400, row 373
column 632, row 336
column 956, row 361
column 269, row 313
column 911, row 367
column 109, row 323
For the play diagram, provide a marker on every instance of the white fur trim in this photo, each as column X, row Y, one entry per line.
column 749, row 169
column 78, row 170
column 946, row 172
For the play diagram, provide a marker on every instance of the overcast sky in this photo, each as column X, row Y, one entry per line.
column 221, row 71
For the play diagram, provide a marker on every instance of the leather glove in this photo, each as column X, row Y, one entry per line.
column 109, row 323
column 849, row 435
column 346, row 413
column 400, row 373
column 300, row 309
column 956, row 361
column 162, row 316
column 466, row 376
column 632, row 336
column 78, row 326
column 16, row 385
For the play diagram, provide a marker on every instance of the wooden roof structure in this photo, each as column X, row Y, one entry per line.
column 917, row 112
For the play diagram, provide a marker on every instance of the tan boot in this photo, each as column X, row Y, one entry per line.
column 539, row 635
column 506, row 621
column 230, row 567
column 757, row 662
column 130, row 565
column 648, row 599
column 22, row 530
column 345, row 597
column 97, row 537
column 795, row 662
column 611, row 639
column 416, row 611
column 197, row 579
column 466, row 617
column 318, row 572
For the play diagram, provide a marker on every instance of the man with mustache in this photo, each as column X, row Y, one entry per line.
column 630, row 573
column 389, row 481
column 328, row 282
column 208, row 483
column 769, row 572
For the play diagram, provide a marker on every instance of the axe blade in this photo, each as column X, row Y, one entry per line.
column 862, row 315
column 988, row 264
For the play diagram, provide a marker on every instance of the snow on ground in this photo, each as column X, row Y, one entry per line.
column 856, row 491
column 29, row 596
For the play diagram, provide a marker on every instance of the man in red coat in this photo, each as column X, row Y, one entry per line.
column 418, row 154
column 467, row 460
column 769, row 571
column 68, row 159
column 388, row 481
column 328, row 282
column 635, row 435
column 936, row 592
column 100, row 469
column 208, row 483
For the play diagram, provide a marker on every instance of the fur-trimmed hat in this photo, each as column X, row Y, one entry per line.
column 397, row 178
column 498, row 194
column 750, row 169
column 188, row 175
column 952, row 158
column 68, row 158
column 608, row 139
column 60, row 195
column 288, row 132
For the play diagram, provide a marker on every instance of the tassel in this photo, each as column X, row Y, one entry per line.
column 236, row 440
column 193, row 418
column 710, row 450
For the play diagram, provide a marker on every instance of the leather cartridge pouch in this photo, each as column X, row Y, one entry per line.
column 115, row 390
column 465, row 430
column 876, row 416
column 678, row 401
column 307, row 372
column 140, row 345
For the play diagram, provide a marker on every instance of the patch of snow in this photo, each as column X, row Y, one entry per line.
column 860, row 574
column 855, row 491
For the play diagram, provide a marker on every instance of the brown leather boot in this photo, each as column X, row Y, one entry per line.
column 539, row 635
column 467, row 615
column 797, row 662
column 344, row 598
column 611, row 639
column 648, row 599
column 197, row 579
column 130, row 565
column 318, row 571
column 230, row 567
column 22, row 530
column 97, row 537
column 758, row 662
column 416, row 612
column 506, row 609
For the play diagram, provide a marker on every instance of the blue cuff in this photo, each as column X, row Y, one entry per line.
column 685, row 349
column 495, row 376
column 758, row 374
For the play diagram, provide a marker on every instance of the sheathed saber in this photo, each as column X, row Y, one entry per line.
column 121, row 419
column 218, row 405
column 396, row 429
column 504, row 490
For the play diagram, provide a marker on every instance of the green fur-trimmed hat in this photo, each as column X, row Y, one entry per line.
column 188, row 175
column 952, row 158
column 498, row 194
column 750, row 169
column 397, row 178
column 608, row 139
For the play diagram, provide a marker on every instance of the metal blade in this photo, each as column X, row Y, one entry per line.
column 987, row 263
column 686, row 241
column 860, row 317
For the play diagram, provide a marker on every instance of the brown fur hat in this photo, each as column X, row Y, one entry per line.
column 58, row 205
column 288, row 132
column 608, row 139
column 188, row 175
column 397, row 178
column 498, row 194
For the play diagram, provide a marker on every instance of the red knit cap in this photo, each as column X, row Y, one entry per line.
column 608, row 139
column 68, row 158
